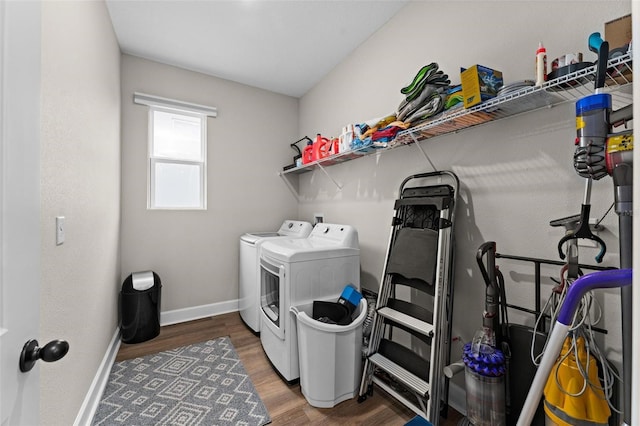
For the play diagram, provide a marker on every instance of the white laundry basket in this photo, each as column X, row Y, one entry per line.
column 330, row 357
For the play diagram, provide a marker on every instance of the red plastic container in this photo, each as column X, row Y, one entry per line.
column 308, row 154
column 321, row 147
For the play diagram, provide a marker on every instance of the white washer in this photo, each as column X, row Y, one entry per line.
column 248, row 277
column 296, row 272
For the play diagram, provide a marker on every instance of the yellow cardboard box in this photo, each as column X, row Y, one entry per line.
column 479, row 83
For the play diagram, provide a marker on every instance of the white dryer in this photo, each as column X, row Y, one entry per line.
column 296, row 272
column 248, row 276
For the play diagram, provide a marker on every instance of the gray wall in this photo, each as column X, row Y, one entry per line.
column 516, row 175
column 195, row 253
column 80, row 179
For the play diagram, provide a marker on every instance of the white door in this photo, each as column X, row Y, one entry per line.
column 19, row 199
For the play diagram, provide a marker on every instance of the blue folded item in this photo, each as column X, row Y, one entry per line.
column 351, row 296
column 360, row 143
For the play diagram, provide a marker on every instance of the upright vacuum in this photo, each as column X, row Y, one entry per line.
column 486, row 357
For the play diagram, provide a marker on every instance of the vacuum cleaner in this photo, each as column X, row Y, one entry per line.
column 486, row 357
column 602, row 279
column 598, row 154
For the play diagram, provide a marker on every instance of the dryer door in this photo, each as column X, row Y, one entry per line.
column 272, row 303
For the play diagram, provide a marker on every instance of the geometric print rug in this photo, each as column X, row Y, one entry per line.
column 200, row 384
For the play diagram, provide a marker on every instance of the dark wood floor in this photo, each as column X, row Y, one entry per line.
column 285, row 403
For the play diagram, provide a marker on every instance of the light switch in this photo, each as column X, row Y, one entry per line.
column 59, row 230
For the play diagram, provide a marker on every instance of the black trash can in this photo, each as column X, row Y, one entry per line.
column 140, row 307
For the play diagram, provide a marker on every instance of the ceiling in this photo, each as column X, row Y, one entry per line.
column 281, row 46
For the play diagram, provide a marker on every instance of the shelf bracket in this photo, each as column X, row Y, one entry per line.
column 294, row 190
column 289, row 185
column 424, row 154
column 338, row 185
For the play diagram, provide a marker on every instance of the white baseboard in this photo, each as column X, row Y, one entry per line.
column 197, row 312
column 92, row 400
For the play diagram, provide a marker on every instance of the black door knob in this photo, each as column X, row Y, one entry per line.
column 52, row 351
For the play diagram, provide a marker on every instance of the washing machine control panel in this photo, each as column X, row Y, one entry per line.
column 341, row 235
column 295, row 228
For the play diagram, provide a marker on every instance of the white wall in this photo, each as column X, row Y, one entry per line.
column 80, row 179
column 195, row 253
column 516, row 175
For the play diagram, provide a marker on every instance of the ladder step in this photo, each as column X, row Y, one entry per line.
column 409, row 403
column 398, row 279
column 401, row 318
column 417, row 311
column 414, row 362
column 408, row 379
column 428, row 191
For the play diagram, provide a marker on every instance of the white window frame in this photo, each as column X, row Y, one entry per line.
column 156, row 103
column 154, row 160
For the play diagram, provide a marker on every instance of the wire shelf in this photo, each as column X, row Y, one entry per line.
column 567, row 88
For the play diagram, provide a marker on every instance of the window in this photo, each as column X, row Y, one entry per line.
column 177, row 153
column 177, row 166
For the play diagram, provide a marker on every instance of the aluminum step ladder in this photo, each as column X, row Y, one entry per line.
column 410, row 339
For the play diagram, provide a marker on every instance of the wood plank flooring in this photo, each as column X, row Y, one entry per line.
column 285, row 403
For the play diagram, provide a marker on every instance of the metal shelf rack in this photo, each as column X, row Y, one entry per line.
column 569, row 87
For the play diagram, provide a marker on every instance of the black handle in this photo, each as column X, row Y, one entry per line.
column 451, row 175
column 583, row 231
column 601, row 48
column 52, row 351
column 295, row 144
column 488, row 273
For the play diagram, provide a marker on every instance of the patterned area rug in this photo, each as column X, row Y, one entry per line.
column 200, row 384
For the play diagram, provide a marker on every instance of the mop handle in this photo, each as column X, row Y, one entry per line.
column 602, row 279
